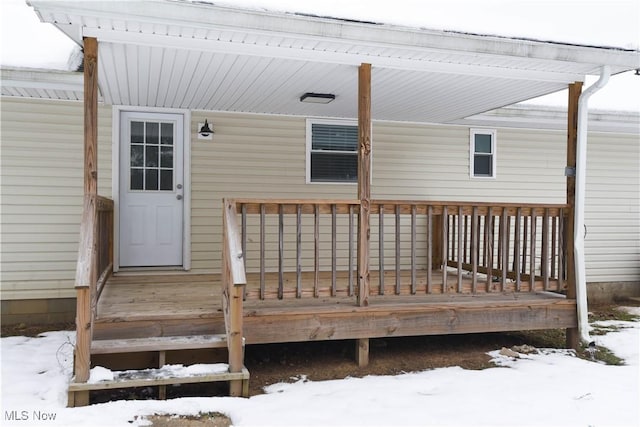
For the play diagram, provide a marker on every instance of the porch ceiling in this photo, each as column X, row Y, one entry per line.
column 178, row 54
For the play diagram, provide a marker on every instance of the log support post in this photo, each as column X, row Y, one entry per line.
column 84, row 291
column 364, row 195
column 572, row 335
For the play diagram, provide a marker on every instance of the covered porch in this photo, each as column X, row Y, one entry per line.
column 318, row 268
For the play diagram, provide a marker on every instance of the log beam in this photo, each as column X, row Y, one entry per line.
column 364, row 181
column 575, row 89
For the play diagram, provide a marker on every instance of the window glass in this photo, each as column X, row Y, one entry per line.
column 483, row 143
column 333, row 152
column 482, row 165
column 151, row 156
column 483, row 153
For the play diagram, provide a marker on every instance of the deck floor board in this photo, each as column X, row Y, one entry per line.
column 138, row 305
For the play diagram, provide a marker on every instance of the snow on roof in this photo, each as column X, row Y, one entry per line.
column 26, row 42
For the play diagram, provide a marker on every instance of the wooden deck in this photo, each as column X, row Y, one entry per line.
column 141, row 305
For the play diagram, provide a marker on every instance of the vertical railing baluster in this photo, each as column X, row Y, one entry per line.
column 561, row 250
column 445, row 247
column 474, row 249
column 452, row 244
column 244, row 243
column 316, row 255
column 532, row 259
column 489, row 248
column 429, row 246
column 298, row 251
column 516, row 248
column 554, row 241
column 413, row 249
column 505, row 248
column 525, row 237
column 459, row 254
column 262, row 249
column 544, row 266
column 381, row 248
column 280, row 251
column 350, row 250
column 398, row 279
column 334, row 227
column 465, row 251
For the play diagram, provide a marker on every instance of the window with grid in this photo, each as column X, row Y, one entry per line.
column 332, row 152
column 152, row 163
column 483, row 153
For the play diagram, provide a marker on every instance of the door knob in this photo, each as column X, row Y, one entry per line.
column 179, row 197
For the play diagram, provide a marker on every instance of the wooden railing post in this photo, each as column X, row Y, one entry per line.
column 233, row 283
column 573, row 339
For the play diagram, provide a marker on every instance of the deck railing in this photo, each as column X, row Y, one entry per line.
column 314, row 238
column 95, row 265
column 485, row 247
column 233, row 281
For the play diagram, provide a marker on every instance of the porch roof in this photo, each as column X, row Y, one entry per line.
column 181, row 54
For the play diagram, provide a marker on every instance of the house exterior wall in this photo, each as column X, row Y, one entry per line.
column 42, row 184
column 612, row 212
column 264, row 157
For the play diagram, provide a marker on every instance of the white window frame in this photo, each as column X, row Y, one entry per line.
column 309, row 124
column 472, row 152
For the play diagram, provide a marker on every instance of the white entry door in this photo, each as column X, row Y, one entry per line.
column 151, row 189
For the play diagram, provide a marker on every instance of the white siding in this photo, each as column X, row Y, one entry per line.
column 41, row 170
column 612, row 214
column 264, row 157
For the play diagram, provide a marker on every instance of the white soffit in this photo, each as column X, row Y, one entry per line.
column 200, row 56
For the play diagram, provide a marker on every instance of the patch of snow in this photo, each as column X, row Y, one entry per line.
column 100, row 374
column 549, row 387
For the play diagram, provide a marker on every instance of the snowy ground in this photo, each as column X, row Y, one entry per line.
column 551, row 388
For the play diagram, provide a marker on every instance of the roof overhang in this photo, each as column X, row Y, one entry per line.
column 179, row 54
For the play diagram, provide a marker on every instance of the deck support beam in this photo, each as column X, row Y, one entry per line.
column 575, row 89
column 364, row 181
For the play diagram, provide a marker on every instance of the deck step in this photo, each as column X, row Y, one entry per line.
column 134, row 345
column 167, row 375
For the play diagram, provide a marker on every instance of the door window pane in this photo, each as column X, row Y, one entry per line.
column 153, row 133
column 137, row 155
column 151, row 179
column 166, row 157
column 136, row 179
column 166, row 134
column 151, row 160
column 137, row 132
column 166, row 179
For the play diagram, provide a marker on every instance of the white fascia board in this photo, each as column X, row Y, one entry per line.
column 217, row 46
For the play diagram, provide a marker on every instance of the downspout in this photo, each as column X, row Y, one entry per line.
column 579, row 226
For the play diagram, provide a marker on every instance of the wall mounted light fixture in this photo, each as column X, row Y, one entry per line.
column 204, row 130
column 317, row 98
